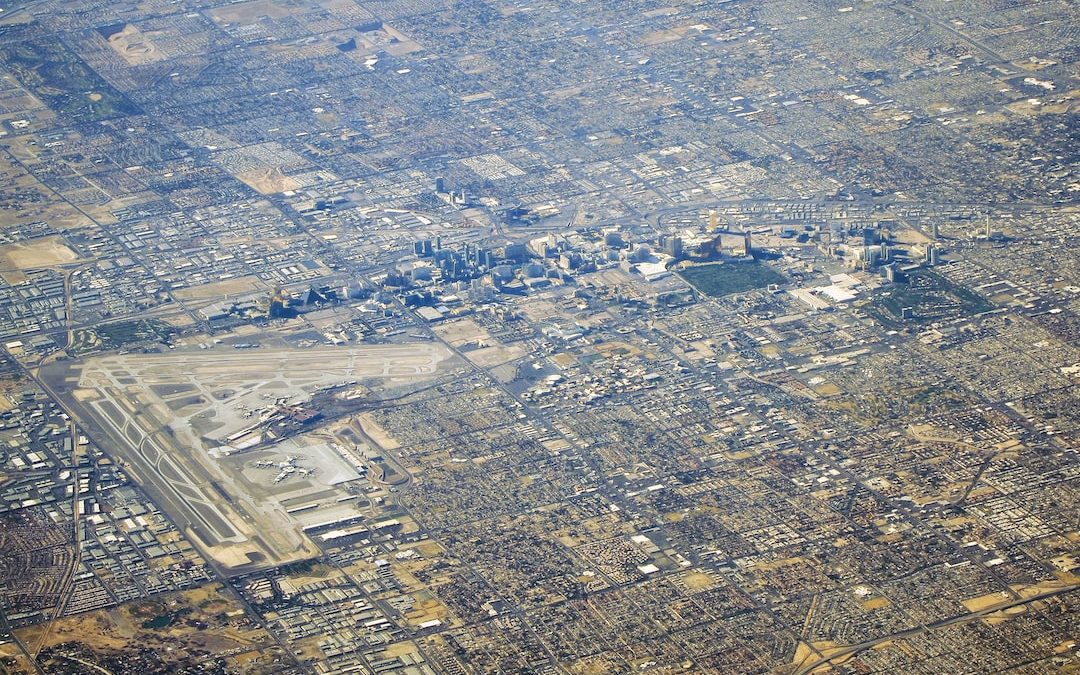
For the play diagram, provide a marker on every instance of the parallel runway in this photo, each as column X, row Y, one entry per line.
column 162, row 414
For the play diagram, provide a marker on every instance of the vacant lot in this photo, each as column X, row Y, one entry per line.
column 182, row 628
column 217, row 290
column 43, row 252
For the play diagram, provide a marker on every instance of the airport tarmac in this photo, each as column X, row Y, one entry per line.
column 168, row 416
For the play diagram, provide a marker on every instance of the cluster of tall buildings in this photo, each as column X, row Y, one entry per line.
column 463, row 263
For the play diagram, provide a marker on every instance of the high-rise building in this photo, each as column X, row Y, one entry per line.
column 672, row 245
column 516, row 252
column 932, row 256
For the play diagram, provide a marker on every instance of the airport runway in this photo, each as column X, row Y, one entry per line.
column 163, row 412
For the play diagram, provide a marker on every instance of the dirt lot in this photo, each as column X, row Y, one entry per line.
column 250, row 11
column 135, row 47
column 176, row 625
column 219, row 289
column 43, row 252
column 268, row 181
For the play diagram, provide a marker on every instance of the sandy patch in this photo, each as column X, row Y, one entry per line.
column 43, row 252
column 804, row 653
column 250, row 11
column 698, row 581
column 981, row 602
column 670, row 35
column 268, row 181
column 490, row 357
column 219, row 289
column 376, row 433
column 135, row 47
column 461, row 332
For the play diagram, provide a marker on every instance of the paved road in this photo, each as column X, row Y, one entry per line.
column 852, row 650
column 987, row 52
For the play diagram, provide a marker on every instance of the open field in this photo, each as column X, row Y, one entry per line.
column 268, row 181
column 217, row 290
column 134, row 46
column 251, row 11
column 929, row 297
column 43, row 252
column 63, row 81
column 717, row 279
column 171, row 417
column 181, row 627
column 118, row 334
